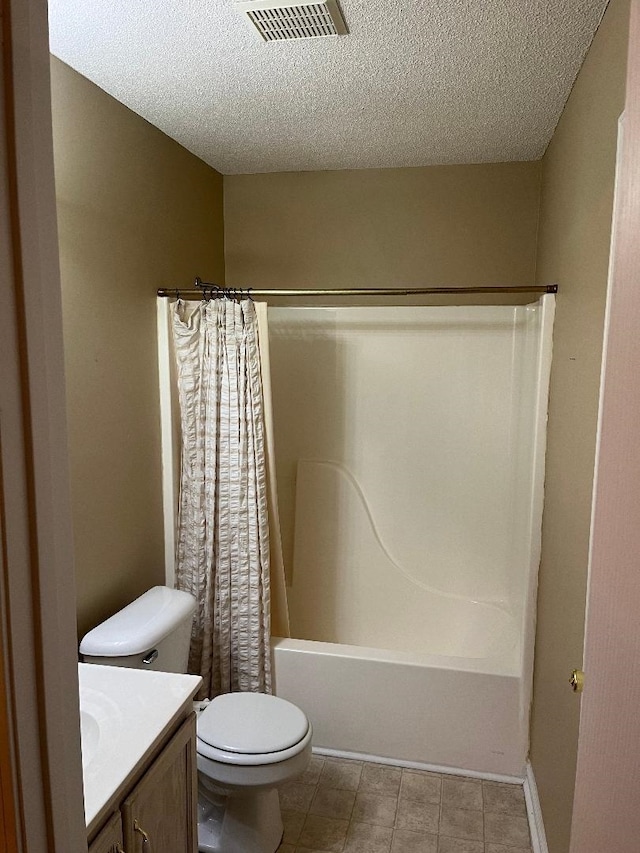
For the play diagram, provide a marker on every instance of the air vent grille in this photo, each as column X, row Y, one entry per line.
column 277, row 21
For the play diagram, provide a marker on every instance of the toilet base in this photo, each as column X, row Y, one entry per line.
column 249, row 823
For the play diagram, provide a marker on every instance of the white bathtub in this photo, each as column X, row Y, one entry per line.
column 461, row 713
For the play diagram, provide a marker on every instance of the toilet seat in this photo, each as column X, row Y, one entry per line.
column 251, row 729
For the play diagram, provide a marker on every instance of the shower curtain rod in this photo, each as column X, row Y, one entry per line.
column 205, row 289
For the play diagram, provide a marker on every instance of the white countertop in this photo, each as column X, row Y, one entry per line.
column 123, row 713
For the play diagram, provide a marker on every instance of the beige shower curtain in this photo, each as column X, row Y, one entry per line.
column 228, row 541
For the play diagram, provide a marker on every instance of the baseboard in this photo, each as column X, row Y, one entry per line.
column 418, row 765
column 534, row 813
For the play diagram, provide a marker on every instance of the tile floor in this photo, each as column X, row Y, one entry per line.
column 341, row 806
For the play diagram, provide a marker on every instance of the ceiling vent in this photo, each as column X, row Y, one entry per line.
column 278, row 21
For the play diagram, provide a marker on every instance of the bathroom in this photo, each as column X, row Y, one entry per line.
column 124, row 189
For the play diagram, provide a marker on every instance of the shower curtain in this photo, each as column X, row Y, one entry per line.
column 228, row 542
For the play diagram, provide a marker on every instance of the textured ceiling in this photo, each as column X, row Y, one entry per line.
column 416, row 82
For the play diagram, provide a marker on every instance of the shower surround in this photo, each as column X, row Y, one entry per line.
column 410, row 446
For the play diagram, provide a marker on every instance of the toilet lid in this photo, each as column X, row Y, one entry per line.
column 251, row 723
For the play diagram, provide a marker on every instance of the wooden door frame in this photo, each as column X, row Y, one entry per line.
column 605, row 814
column 42, row 773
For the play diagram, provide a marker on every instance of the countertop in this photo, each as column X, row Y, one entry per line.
column 124, row 714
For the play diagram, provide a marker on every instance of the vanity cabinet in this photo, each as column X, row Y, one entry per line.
column 157, row 811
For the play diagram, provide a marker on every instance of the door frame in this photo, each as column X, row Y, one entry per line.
column 39, row 711
column 605, row 812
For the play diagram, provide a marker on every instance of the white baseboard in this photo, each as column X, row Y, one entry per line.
column 418, row 765
column 534, row 813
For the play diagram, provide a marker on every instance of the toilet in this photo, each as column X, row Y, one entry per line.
column 247, row 743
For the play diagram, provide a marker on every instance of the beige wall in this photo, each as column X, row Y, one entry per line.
column 135, row 212
column 575, row 222
column 457, row 225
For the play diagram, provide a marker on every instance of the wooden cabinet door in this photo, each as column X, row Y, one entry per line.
column 109, row 840
column 160, row 815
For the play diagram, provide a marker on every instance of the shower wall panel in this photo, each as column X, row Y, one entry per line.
column 406, row 442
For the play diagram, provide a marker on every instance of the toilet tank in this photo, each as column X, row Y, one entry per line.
column 153, row 632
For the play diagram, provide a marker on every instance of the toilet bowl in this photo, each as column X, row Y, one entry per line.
column 247, row 743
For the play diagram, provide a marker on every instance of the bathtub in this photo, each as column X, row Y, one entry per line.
column 462, row 714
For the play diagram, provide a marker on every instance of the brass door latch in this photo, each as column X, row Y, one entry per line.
column 577, row 681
